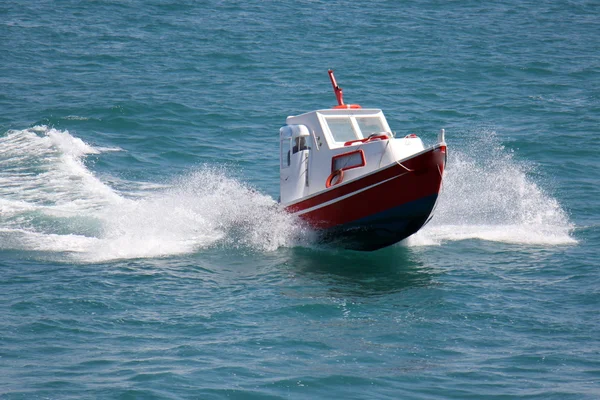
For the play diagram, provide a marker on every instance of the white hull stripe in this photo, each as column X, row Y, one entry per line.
column 307, row 210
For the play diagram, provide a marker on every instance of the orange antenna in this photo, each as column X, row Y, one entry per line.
column 339, row 94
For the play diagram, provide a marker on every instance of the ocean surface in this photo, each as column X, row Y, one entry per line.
column 142, row 251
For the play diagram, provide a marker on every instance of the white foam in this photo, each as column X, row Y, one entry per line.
column 202, row 209
column 29, row 240
column 51, row 202
column 109, row 149
column 488, row 195
column 42, row 166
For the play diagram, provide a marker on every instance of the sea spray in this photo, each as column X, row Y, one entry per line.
column 201, row 209
column 42, row 166
column 51, row 202
column 489, row 195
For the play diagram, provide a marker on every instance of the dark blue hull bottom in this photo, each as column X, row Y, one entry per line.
column 382, row 229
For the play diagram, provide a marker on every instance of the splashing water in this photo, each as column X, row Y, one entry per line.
column 51, row 202
column 200, row 210
column 43, row 167
column 488, row 195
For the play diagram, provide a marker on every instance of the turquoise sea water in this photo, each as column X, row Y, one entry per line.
column 142, row 254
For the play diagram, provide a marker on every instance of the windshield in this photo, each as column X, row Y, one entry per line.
column 341, row 129
column 348, row 128
column 369, row 125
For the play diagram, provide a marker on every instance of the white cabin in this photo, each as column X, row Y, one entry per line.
column 315, row 145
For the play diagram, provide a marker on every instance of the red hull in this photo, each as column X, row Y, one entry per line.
column 397, row 199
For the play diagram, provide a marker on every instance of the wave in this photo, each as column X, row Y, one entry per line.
column 51, row 202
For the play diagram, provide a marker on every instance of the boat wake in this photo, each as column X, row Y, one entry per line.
column 488, row 195
column 51, row 202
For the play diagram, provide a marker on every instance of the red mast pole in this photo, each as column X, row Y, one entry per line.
column 339, row 95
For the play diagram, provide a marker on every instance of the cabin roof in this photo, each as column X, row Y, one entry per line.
column 340, row 112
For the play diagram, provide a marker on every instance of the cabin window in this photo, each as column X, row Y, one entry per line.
column 286, row 146
column 353, row 159
column 300, row 143
column 369, row 125
column 341, row 129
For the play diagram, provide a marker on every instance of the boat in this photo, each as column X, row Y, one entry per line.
column 351, row 179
